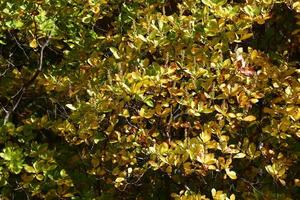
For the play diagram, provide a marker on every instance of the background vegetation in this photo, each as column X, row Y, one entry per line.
column 149, row 99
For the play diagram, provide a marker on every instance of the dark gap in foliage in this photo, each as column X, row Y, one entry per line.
column 238, row 1
column 170, row 7
column 275, row 35
column 53, row 56
column 187, row 13
column 103, row 25
column 47, row 136
column 150, row 57
column 178, row 134
column 20, row 55
column 76, row 170
column 14, row 50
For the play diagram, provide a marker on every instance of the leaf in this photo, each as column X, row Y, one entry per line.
column 33, row 44
column 70, row 106
column 240, row 155
column 18, row 24
column 114, row 52
column 252, row 10
column 249, row 118
column 232, row 197
column 246, row 36
column 142, row 38
column 296, row 6
column 27, row 178
column 212, row 3
column 68, row 195
column 213, row 192
column 270, row 170
column 149, row 102
column 219, row 109
column 231, row 174
column 87, row 19
column 205, row 136
column 119, row 179
column 63, row 173
column 29, row 169
column 39, row 177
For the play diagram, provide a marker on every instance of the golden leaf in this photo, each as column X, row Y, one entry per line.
column 119, row 179
column 231, row 174
column 297, row 182
column 205, row 136
column 33, row 44
column 270, row 170
column 249, row 118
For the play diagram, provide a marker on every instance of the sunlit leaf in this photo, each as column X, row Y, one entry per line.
column 70, row 106
column 249, row 118
column 231, row 174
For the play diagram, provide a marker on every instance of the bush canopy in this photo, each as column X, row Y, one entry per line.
column 149, row 99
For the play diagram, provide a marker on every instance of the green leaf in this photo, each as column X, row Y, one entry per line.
column 114, row 52
column 149, row 102
column 252, row 10
column 213, row 3
column 29, row 169
column 18, row 24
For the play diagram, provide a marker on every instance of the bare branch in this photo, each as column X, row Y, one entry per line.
column 5, row 71
column 18, row 96
column 19, row 45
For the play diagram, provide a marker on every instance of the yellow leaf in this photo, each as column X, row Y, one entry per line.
column 270, row 170
column 254, row 54
column 71, row 107
column 232, row 197
column 231, row 115
column 249, row 118
column 296, row 6
column 68, row 195
column 246, row 36
column 298, row 134
column 219, row 109
column 205, row 136
column 119, row 179
column 125, row 113
column 239, row 155
column 231, row 174
column 153, row 164
column 164, row 147
column 33, row 44
column 297, row 182
column 209, row 159
column 95, row 9
column 213, row 192
column 169, row 169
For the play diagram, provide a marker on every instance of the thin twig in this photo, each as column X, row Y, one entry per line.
column 26, row 85
column 19, row 45
column 5, row 71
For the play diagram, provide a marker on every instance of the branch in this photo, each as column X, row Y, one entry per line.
column 38, row 71
column 18, row 44
column 18, row 96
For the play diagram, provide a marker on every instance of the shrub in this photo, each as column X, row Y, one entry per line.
column 150, row 99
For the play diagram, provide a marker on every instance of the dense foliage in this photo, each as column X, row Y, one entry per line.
column 149, row 99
